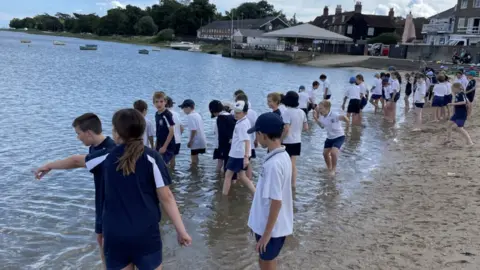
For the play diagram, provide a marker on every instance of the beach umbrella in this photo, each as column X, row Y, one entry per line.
column 409, row 30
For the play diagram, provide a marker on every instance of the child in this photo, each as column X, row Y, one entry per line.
column 252, row 118
column 462, row 79
column 273, row 102
column 271, row 213
column 376, row 92
column 448, row 97
column 327, row 93
column 386, row 89
column 177, row 130
column 470, row 90
column 353, row 95
column 303, row 99
column 295, row 120
column 239, row 155
column 223, row 130
column 419, row 100
column 197, row 141
column 89, row 131
column 431, row 82
column 142, row 107
column 439, row 92
column 312, row 97
column 165, row 127
column 136, row 183
column 363, row 91
column 408, row 89
column 460, row 115
column 335, row 134
column 395, row 87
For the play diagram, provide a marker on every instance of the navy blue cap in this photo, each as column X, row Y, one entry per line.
column 301, row 87
column 187, row 103
column 268, row 123
column 353, row 79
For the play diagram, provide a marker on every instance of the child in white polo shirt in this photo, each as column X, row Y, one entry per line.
column 239, row 155
column 271, row 213
column 197, row 142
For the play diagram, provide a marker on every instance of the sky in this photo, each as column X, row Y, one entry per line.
column 305, row 10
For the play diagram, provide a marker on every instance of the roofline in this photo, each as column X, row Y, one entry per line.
column 278, row 17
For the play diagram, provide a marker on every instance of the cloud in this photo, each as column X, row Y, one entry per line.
column 117, row 4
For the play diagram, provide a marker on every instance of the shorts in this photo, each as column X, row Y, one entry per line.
column 273, row 248
column 376, row 97
column 235, row 165
column 293, row 149
column 253, row 154
column 471, row 96
column 419, row 105
column 396, row 98
column 447, row 99
column 363, row 103
column 196, row 152
column 217, row 154
column 337, row 142
column 144, row 251
column 353, row 106
column 98, row 228
column 459, row 121
column 408, row 91
column 177, row 149
column 327, row 97
column 438, row 101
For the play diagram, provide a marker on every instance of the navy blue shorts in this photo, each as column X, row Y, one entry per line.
column 447, row 99
column 177, row 149
column 274, row 247
column 419, row 105
column 438, row 101
column 196, row 152
column 98, row 228
column 376, row 97
column 459, row 121
column 363, row 103
column 337, row 142
column 397, row 97
column 327, row 97
column 167, row 156
column 471, row 96
column 235, row 165
column 354, row 106
column 293, row 149
column 144, row 251
column 217, row 154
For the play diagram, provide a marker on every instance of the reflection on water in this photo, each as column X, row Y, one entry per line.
column 49, row 224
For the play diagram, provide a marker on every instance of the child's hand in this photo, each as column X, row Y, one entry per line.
column 41, row 172
column 162, row 150
column 189, row 144
column 245, row 162
column 184, row 239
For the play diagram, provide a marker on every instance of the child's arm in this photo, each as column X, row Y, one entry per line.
column 275, row 206
column 72, row 162
column 168, row 140
column 182, row 129
column 166, row 198
column 286, row 128
column 150, row 140
column 247, row 153
column 344, row 101
column 344, row 119
column 150, row 133
column 192, row 136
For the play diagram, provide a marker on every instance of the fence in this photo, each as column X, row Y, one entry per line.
column 441, row 53
column 323, row 48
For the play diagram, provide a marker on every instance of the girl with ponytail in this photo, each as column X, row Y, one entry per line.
column 136, row 182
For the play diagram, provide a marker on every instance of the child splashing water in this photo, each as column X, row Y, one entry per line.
column 439, row 92
column 353, row 95
column 419, row 100
column 459, row 117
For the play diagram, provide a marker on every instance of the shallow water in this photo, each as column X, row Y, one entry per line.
column 48, row 224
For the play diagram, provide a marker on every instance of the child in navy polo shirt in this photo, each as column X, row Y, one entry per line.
column 142, row 107
column 470, row 89
column 271, row 213
column 459, row 117
column 224, row 126
column 165, row 127
column 197, row 141
column 89, row 131
column 239, row 155
column 136, row 181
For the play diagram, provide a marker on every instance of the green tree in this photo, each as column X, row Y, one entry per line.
column 145, row 26
column 114, row 23
column 133, row 14
column 45, row 22
column 16, row 23
column 162, row 14
column 385, row 38
column 28, row 23
column 67, row 20
column 85, row 23
column 165, row 35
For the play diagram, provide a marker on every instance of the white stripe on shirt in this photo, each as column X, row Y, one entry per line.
column 94, row 162
column 156, row 173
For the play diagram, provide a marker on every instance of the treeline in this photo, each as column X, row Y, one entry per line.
column 172, row 16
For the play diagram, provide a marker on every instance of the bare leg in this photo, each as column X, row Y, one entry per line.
column 447, row 116
column 100, row 246
column 228, row 182
column 449, row 131
column 418, row 119
column 246, row 181
column 268, row 265
column 334, row 156
column 294, row 170
column 327, row 157
column 172, row 162
column 249, row 172
column 465, row 135
column 219, row 165
column 194, row 160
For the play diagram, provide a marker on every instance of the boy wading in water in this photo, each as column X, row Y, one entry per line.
column 165, row 128
column 197, row 142
column 335, row 134
column 89, row 131
column 271, row 213
column 354, row 104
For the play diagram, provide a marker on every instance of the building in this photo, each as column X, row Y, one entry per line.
column 459, row 25
column 222, row 30
column 354, row 24
column 253, row 37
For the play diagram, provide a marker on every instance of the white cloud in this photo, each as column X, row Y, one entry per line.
column 117, row 4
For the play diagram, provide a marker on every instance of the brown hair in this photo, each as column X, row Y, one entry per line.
column 276, row 97
column 140, row 106
column 239, row 92
column 130, row 126
column 326, row 103
column 441, row 77
column 360, row 77
column 88, row 121
column 242, row 97
column 159, row 95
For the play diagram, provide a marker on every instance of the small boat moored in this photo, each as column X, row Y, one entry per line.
column 143, row 51
column 25, row 41
column 58, row 43
column 88, row 47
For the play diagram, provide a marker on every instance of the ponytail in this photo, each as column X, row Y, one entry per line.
column 133, row 150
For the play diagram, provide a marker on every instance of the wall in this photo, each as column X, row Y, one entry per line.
column 437, row 53
column 262, row 41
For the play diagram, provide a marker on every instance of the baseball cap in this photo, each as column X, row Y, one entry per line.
column 391, row 68
column 187, row 103
column 430, row 73
column 301, row 87
column 472, row 73
column 352, row 80
column 215, row 106
column 240, row 106
column 268, row 123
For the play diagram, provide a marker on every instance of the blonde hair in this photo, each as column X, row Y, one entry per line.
column 159, row 95
column 326, row 104
column 276, row 97
column 458, row 86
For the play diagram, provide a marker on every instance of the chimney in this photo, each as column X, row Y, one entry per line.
column 358, row 7
column 338, row 10
column 391, row 14
column 325, row 11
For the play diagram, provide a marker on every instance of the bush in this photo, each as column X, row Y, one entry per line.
column 385, row 38
column 165, row 35
column 145, row 26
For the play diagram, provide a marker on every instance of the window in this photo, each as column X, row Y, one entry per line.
column 335, row 28
column 333, row 19
column 340, row 29
column 461, row 23
column 371, row 31
column 343, row 17
column 349, row 30
column 464, row 4
column 477, row 4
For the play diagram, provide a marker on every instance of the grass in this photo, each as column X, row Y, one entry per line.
column 213, row 49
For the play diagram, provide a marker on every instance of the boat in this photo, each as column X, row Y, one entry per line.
column 88, row 48
column 25, row 41
column 156, row 50
column 58, row 43
column 196, row 48
column 143, row 51
column 184, row 46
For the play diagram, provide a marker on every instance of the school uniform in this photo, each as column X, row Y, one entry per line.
column 335, row 132
column 237, row 150
column 408, row 88
column 460, row 115
column 326, row 89
column 439, row 92
column 177, row 132
column 303, row 101
column 295, row 118
column 313, row 99
column 353, row 94
column 377, row 90
column 164, row 120
column 363, row 94
column 395, row 90
column 472, row 84
column 149, row 132
column 199, row 142
column 224, row 128
column 252, row 118
column 281, row 107
column 93, row 162
column 274, row 183
column 464, row 81
column 419, row 95
column 131, row 213
column 277, row 112
column 448, row 95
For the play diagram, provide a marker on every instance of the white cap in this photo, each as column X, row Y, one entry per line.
column 239, row 106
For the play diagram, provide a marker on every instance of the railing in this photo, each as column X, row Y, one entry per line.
column 469, row 30
column 437, row 28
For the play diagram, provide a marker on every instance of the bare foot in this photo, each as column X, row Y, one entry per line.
column 332, row 173
column 416, row 129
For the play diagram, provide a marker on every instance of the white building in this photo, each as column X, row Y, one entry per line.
column 253, row 37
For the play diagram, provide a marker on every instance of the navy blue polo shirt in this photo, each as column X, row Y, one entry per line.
column 131, row 202
column 472, row 84
column 277, row 111
column 225, row 126
column 163, row 122
column 460, row 110
column 93, row 161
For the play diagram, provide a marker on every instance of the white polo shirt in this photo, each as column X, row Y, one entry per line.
column 326, row 87
column 352, row 92
column 295, row 118
column 449, row 88
column 177, row 132
column 282, row 109
column 240, row 135
column 464, row 81
column 440, row 90
column 420, row 93
column 252, row 118
column 394, row 86
column 303, row 100
column 331, row 123
column 149, row 132
column 378, row 87
column 312, row 95
column 363, row 89
column 195, row 122
column 274, row 183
